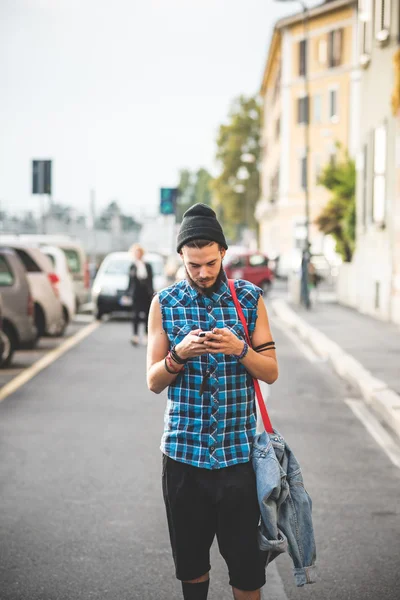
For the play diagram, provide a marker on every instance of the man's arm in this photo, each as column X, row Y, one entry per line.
column 158, row 377
column 261, row 365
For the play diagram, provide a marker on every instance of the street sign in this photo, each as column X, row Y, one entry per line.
column 168, row 199
column 41, row 177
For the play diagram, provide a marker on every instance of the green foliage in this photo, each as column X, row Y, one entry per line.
column 338, row 218
column 235, row 196
column 193, row 187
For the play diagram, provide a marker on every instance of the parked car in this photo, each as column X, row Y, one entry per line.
column 252, row 266
column 65, row 285
column 112, row 280
column 74, row 253
column 48, row 312
column 18, row 328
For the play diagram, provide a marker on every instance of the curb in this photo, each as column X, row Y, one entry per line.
column 375, row 392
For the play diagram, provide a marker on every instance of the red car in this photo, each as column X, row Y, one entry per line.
column 252, row 266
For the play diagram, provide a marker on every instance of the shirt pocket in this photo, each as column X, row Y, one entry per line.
column 181, row 329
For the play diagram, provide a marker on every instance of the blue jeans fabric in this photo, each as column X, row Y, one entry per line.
column 285, row 506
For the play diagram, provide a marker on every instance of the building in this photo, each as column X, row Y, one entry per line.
column 372, row 281
column 310, row 88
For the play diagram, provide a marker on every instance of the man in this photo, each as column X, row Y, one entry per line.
column 197, row 349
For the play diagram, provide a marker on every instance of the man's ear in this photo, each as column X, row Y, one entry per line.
column 223, row 252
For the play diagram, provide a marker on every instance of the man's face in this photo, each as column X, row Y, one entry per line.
column 203, row 265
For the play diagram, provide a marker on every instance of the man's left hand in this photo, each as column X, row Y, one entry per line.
column 223, row 341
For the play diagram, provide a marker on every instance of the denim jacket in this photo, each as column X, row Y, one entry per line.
column 286, row 521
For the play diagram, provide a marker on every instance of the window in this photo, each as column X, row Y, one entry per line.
column 379, row 183
column 277, row 85
column 333, row 105
column 277, row 128
column 303, row 57
column 30, row 265
column 365, row 31
column 73, row 260
column 6, row 275
column 335, row 44
column 237, row 262
column 258, row 260
column 302, row 109
column 303, row 172
column 382, row 20
column 317, row 168
column 317, row 108
column 322, row 52
column 364, row 185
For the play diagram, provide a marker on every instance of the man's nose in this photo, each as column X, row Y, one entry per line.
column 203, row 273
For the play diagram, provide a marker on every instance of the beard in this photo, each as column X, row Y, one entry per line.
column 207, row 291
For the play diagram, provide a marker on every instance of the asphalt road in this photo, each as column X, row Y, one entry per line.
column 81, row 507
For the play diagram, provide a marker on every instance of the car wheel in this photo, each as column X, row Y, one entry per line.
column 99, row 314
column 65, row 321
column 265, row 286
column 10, row 344
column 40, row 321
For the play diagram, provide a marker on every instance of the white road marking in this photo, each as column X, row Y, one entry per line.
column 373, row 426
column 274, row 586
column 44, row 362
column 306, row 350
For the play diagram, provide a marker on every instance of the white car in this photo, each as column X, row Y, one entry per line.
column 66, row 283
column 111, row 282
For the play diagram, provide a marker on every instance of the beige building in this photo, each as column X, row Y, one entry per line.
column 312, row 72
column 371, row 282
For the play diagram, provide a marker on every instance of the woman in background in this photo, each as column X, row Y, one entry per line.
column 141, row 289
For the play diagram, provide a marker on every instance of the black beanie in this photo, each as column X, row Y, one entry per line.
column 200, row 223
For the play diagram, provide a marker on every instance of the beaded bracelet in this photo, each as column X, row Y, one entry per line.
column 243, row 352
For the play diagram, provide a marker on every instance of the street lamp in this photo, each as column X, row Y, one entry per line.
column 305, row 293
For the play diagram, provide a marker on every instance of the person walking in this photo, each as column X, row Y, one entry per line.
column 141, row 289
column 197, row 350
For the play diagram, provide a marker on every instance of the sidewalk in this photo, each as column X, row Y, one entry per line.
column 362, row 350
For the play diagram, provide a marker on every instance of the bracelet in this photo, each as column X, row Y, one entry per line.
column 266, row 346
column 175, row 356
column 167, row 368
column 243, row 352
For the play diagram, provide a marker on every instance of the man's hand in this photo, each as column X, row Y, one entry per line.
column 223, row 341
column 191, row 345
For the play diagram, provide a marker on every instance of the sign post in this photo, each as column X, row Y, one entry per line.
column 41, row 184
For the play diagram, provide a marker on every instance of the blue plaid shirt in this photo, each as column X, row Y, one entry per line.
column 216, row 429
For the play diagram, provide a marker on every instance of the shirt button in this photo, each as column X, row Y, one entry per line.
column 209, row 307
column 212, row 448
column 215, row 401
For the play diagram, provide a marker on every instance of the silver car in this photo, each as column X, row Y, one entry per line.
column 18, row 327
column 44, row 283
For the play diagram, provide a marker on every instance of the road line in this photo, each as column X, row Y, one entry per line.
column 274, row 586
column 44, row 362
column 306, row 350
column 373, row 426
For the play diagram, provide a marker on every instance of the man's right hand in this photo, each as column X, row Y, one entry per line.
column 191, row 345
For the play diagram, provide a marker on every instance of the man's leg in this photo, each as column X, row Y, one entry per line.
column 135, row 328
column 191, row 524
column 243, row 595
column 237, row 532
column 196, row 589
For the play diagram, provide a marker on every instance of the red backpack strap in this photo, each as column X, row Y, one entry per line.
column 260, row 399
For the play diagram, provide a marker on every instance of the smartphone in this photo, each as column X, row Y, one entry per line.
column 203, row 333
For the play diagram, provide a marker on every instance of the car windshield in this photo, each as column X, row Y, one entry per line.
column 73, row 260
column 117, row 267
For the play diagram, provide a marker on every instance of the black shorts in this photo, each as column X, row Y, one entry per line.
column 202, row 503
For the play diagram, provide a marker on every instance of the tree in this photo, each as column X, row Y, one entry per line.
column 237, row 187
column 193, row 187
column 338, row 218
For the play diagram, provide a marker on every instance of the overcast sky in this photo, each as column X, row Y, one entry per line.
column 121, row 94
